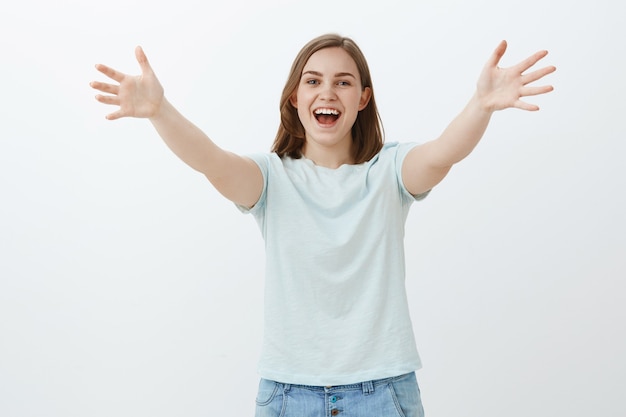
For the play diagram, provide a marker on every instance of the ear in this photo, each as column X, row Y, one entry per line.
column 366, row 94
column 294, row 99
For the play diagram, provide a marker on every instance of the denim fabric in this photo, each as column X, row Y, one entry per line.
column 389, row 397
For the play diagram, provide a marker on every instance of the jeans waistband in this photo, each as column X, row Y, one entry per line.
column 367, row 386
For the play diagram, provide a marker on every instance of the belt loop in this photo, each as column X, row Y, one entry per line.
column 368, row 387
column 286, row 388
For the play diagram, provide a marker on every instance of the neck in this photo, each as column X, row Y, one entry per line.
column 329, row 153
column 327, row 157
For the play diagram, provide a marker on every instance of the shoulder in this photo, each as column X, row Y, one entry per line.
column 393, row 153
column 262, row 158
column 265, row 160
column 398, row 149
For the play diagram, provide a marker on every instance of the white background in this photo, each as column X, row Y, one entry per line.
column 130, row 287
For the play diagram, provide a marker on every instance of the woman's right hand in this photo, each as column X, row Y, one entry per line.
column 136, row 95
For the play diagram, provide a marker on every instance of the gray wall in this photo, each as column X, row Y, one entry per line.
column 130, row 287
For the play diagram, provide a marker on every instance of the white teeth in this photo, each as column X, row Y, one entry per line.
column 327, row 111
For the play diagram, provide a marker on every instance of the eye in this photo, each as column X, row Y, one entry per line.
column 312, row 82
column 344, row 83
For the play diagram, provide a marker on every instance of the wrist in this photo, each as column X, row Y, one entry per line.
column 161, row 110
column 482, row 104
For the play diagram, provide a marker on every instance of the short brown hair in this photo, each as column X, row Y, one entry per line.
column 367, row 131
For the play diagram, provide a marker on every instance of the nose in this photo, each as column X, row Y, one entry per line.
column 327, row 92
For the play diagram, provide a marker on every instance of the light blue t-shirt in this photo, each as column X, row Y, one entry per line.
column 336, row 309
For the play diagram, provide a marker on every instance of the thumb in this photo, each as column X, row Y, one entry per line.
column 497, row 54
column 142, row 59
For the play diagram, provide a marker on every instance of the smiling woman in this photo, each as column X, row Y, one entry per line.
column 353, row 74
column 116, row 258
column 328, row 100
column 331, row 201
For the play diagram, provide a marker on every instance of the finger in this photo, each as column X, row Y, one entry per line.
column 112, row 100
column 497, row 54
column 535, row 75
column 105, row 87
column 111, row 73
column 530, row 61
column 142, row 59
column 525, row 106
column 535, row 91
column 115, row 115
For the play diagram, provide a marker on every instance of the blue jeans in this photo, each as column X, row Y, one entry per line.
column 390, row 397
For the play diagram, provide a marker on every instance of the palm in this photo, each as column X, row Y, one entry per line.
column 136, row 95
column 501, row 88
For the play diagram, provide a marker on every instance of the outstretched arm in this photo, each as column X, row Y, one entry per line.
column 497, row 89
column 237, row 178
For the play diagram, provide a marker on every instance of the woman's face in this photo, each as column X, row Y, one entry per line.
column 328, row 99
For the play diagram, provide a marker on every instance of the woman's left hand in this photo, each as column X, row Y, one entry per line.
column 501, row 88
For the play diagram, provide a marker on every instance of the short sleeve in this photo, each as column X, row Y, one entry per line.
column 401, row 153
column 263, row 162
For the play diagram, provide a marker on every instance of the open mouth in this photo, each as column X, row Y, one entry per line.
column 326, row 116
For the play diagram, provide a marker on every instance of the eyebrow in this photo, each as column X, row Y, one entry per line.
column 339, row 74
